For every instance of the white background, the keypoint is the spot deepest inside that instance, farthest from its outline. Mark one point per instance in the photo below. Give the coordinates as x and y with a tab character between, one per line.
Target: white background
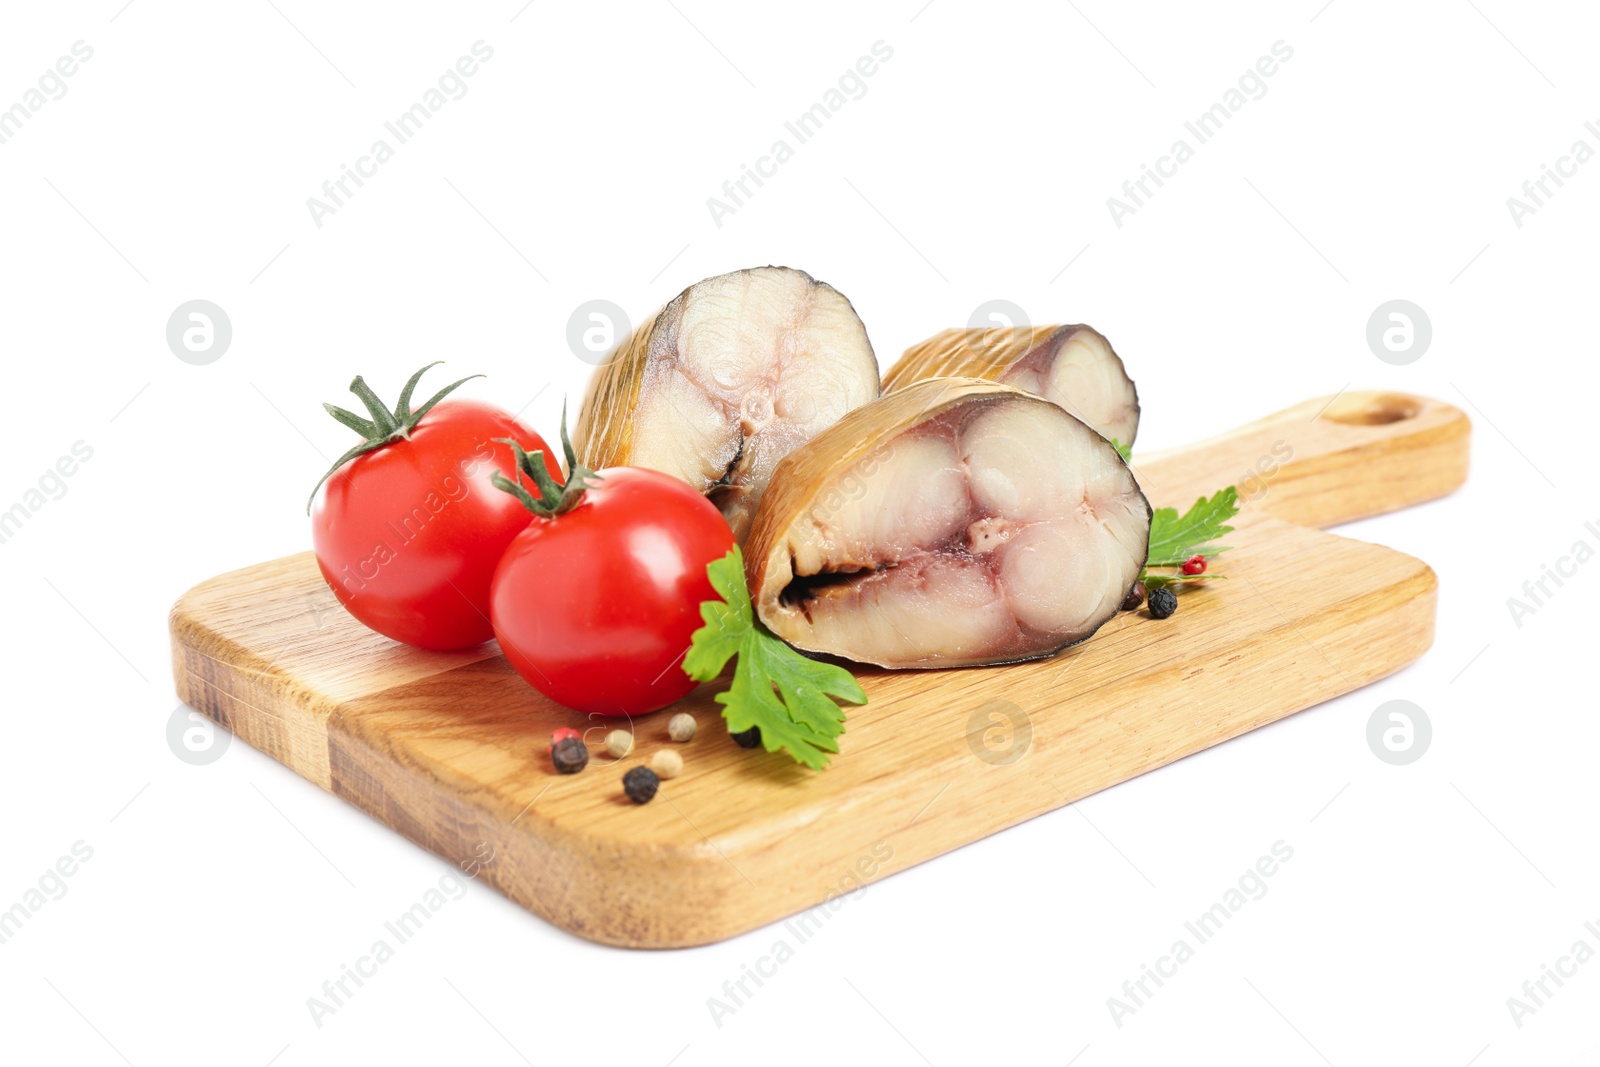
976	166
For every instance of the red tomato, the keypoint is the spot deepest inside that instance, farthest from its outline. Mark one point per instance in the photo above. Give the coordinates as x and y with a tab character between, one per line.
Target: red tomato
595	606
408	535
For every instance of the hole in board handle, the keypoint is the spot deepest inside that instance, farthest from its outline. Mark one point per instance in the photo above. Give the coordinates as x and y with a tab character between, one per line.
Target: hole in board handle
1376	411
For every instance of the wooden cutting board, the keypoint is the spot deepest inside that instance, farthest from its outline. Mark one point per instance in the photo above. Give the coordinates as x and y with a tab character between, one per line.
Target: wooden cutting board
448	749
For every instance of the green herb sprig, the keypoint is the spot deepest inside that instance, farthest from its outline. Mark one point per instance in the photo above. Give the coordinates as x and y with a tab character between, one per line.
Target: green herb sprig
789	697
1175	539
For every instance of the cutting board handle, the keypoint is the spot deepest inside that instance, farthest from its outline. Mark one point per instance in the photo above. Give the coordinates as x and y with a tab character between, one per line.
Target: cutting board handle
1327	461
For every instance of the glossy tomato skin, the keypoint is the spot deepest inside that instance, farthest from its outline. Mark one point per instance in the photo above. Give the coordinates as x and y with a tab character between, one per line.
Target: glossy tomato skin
595	607
408	535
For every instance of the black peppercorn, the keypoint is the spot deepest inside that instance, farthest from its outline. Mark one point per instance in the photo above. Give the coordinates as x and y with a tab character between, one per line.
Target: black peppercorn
1134	598
640	784
1163	602
570	755
748	738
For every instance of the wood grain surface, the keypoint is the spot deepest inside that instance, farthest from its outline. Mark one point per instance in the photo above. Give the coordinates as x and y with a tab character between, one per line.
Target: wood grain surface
448	748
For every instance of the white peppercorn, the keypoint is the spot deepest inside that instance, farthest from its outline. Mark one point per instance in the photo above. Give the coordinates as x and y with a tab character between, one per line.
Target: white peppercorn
666	763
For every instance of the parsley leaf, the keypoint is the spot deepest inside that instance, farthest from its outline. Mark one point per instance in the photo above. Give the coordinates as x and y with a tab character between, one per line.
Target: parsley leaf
1125	451
1174	539
774	687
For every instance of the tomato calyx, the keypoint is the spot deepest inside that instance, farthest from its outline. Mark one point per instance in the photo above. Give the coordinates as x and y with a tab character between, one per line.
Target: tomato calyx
384	426
555	498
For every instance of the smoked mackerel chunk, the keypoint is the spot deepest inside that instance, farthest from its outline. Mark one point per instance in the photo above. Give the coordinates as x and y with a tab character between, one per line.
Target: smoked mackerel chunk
1073	366
726	380
953	522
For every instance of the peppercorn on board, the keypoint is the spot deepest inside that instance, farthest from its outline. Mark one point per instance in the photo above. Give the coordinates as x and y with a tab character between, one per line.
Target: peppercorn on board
448	748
